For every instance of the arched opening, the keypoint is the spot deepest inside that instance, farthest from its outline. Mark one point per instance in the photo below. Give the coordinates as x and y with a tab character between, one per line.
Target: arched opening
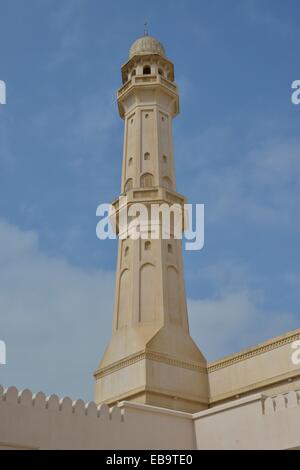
167	182
128	185
147	297
173	289
133	73
147	70
146	180
124	309
161	72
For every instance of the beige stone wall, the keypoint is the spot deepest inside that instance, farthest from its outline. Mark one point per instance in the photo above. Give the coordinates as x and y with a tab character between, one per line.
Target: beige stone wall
35	422
256	422
266	368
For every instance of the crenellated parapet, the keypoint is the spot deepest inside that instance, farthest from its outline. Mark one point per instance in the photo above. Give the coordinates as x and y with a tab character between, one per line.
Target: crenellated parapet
34	421
64	405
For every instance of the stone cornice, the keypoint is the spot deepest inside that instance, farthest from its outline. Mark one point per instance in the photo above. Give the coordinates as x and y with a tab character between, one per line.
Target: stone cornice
154	409
151	356
255	351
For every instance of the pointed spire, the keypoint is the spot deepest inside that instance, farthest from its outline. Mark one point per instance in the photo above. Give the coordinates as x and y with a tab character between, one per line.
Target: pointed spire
146	29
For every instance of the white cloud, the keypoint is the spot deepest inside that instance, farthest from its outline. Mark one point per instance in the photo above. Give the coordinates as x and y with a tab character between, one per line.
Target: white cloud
54	317
259	186
233	322
235	316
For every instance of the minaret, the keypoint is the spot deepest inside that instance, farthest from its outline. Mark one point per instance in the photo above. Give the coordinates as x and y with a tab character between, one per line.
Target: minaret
151	357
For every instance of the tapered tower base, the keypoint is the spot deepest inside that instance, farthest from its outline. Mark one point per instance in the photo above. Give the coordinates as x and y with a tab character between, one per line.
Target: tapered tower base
154	376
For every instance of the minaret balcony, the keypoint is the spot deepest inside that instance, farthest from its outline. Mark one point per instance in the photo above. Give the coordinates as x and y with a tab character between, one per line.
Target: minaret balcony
139	82
156	195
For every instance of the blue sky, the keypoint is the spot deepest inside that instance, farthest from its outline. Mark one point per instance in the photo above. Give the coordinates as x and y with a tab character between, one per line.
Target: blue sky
237	150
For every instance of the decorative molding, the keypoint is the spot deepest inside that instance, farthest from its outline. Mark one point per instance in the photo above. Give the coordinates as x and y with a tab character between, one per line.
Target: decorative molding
160	357
255	351
115	366
151	356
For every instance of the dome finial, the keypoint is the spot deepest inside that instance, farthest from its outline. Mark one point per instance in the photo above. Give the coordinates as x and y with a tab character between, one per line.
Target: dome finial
146	33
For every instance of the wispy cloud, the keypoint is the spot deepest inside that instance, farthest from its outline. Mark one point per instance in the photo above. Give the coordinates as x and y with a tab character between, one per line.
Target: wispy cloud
260	186
55	317
235	316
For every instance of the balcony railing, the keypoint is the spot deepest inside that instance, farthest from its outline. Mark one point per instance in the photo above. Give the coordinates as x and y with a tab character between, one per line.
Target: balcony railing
147	79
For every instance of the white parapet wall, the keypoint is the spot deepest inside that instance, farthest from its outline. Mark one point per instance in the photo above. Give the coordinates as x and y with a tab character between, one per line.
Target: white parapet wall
254	422
34	421
266	368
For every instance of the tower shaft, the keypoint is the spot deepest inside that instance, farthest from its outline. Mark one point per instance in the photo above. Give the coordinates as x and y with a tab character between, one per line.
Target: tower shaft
151	357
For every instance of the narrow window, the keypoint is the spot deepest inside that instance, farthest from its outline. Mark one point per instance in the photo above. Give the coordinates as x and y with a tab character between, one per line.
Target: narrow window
167	183
128	185
146	180
147	70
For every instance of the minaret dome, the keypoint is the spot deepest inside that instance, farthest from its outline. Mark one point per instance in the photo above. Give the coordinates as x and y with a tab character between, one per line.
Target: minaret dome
146	45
